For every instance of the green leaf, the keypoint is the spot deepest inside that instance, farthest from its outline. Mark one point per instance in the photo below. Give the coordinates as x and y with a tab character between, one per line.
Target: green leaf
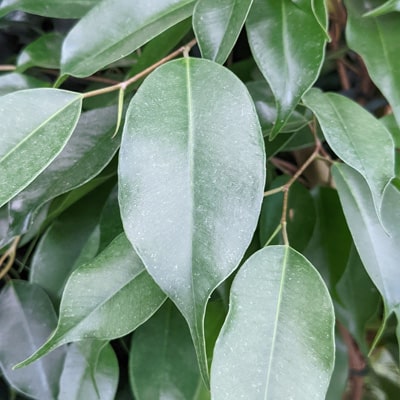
84	53
380	51
385	8
43	52
162	361
89	150
301	215
329	247
13	82
277	341
378	249
29	144
359	300
27	317
63	242
276	31
53	8
217	25
90	372
191	181
95	295
357	137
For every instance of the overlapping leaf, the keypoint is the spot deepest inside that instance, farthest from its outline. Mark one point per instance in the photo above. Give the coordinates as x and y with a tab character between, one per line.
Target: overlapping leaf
277	341
55	9
90	149
217	25
35	126
27	317
287	42
90	371
162	360
14	81
98	292
125	26
357	137
191	181
389	6
378	249
380	51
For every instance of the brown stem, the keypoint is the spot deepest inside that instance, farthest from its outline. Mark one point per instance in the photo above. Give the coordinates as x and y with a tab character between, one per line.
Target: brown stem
6	68
9	255
140	75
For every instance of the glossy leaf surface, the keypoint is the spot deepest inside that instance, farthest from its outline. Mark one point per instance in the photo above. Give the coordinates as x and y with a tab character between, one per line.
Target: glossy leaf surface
43	52
29	144
55	9
162	360
217	25
87	49
90	149
97	292
357	137
288	43
277	341
378	249
27	317
90	372
380	52
188	206
387	7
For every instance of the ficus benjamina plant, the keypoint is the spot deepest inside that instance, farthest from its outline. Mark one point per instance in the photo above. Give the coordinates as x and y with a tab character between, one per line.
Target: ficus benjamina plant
200	199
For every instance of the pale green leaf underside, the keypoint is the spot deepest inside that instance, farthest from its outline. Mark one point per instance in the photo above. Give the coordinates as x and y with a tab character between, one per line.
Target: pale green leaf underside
378	247
217	25
277	341
98	292
125	26
288	45
357	137
189	206
35	126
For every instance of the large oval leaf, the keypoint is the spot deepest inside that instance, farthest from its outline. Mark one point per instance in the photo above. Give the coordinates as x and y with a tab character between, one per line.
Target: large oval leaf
90	372
125	26
357	137
379	250
217	25
380	52
47	8
288	44
162	361
191	172
97	292
35	126
89	150
278	339
27	317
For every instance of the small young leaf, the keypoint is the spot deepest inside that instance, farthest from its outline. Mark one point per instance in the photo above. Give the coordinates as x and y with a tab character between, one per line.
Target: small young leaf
217	25
95	295
132	23
276	31
191	175
357	137
49	8
277	341
379	250
27	318
36	124
162	361
90	371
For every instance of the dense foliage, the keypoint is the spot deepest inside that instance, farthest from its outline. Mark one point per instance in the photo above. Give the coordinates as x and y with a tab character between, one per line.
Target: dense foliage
199	199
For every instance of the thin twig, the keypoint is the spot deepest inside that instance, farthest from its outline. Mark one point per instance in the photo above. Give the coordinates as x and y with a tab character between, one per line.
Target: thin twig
9	255
7	68
123	85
